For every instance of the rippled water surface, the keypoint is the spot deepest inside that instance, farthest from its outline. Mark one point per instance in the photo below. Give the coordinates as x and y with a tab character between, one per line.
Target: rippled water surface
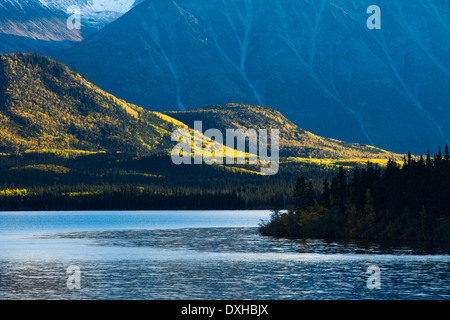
202	255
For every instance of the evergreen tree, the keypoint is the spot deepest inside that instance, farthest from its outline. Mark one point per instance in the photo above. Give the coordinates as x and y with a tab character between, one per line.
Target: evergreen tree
326	194
340	190
438	156
428	159
310	194
300	196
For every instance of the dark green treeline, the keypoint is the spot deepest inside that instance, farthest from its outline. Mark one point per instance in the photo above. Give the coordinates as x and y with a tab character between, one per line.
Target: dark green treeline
37	181
408	201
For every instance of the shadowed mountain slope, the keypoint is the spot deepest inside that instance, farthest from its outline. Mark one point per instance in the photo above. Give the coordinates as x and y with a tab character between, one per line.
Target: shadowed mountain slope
314	60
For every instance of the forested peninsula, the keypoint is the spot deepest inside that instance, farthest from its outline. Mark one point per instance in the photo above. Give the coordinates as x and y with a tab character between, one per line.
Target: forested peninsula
408	201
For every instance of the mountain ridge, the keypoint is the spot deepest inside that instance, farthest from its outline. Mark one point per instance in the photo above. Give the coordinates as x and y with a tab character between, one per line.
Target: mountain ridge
315	61
294	141
45	105
66	144
41	25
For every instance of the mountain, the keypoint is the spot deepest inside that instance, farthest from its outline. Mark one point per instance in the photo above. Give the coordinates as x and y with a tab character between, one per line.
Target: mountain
294	141
44	105
41	25
315	61
65	144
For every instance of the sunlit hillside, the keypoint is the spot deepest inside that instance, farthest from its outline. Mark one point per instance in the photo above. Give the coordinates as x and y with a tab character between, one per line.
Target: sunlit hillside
49	114
294	141
44	105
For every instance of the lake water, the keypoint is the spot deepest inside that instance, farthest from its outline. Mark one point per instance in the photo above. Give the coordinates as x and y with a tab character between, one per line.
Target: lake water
203	255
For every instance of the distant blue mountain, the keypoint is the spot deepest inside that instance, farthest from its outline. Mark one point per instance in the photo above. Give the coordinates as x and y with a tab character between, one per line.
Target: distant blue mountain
41	25
316	61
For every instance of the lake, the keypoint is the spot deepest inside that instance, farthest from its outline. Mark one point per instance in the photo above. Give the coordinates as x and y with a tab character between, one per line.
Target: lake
209	255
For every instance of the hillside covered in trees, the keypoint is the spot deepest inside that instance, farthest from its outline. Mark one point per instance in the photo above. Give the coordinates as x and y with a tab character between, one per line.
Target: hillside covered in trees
294	141
408	201
44	105
67	144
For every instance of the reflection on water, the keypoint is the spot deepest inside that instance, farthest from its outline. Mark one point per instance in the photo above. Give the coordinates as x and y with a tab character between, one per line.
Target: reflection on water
211	262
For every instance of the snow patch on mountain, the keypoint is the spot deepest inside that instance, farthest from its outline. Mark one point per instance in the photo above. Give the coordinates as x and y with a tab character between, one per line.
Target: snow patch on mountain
41	25
121	6
88	8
